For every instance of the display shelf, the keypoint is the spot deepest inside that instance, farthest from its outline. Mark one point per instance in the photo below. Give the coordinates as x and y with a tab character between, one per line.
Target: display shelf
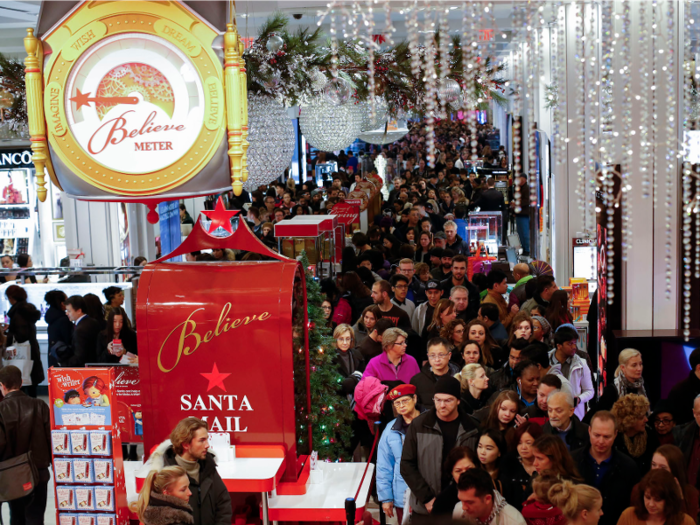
484	228
86	447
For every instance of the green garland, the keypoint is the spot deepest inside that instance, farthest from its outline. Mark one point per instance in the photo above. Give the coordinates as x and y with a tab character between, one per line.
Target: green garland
330	414
12	81
295	74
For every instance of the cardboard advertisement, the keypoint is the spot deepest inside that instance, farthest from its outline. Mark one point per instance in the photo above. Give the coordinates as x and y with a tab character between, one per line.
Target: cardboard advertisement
81	397
127	395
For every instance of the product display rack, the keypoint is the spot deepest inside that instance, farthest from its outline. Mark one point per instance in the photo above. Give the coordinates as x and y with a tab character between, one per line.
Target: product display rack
86	448
16	221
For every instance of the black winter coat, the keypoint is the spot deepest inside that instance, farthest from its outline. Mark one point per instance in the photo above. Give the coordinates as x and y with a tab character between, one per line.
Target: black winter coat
470	404
685	436
576	438
502	379
60	328
23	317
83	344
516	482
644	461
616	486
682	396
210	500
425	380
25	425
421	460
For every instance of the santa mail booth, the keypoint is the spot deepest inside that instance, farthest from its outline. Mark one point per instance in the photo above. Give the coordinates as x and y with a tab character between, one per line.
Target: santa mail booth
219	345
315	234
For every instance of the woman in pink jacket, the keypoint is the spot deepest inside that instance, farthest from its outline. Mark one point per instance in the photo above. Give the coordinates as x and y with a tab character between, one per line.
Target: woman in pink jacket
392	364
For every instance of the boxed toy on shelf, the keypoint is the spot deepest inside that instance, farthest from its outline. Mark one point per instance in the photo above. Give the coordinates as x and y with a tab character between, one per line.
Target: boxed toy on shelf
86	444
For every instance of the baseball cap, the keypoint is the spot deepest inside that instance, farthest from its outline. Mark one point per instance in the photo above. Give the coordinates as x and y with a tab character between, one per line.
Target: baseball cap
433	284
440	235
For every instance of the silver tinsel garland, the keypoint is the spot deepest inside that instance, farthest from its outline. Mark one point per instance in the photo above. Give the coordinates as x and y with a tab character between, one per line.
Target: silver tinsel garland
271	138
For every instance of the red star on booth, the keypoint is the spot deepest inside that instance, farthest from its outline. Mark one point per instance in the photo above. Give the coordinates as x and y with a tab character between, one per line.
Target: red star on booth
220	217
215	378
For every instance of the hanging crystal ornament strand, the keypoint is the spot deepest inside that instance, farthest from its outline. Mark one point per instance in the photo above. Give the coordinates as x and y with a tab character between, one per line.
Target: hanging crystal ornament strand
592	153
389	28
517	107
471	87
655	42
643	96
606	134
687	172
531	74
444	35
414	41
560	23
627	152
334	46
579	125
368	19
430	94
671	137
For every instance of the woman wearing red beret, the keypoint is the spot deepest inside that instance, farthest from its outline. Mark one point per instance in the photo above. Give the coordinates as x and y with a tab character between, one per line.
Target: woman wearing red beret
391	488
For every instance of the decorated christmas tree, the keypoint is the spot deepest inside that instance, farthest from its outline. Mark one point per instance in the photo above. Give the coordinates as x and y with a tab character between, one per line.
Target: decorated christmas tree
330	414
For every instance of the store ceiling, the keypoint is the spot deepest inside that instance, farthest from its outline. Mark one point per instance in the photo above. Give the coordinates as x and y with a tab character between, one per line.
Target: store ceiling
16	16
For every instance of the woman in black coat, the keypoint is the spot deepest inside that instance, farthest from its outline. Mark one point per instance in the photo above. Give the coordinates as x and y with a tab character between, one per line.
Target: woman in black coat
116	329
60	328
23	317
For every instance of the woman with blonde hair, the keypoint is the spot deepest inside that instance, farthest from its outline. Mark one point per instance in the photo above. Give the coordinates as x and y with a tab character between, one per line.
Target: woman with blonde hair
634	437
628	379
164	498
475	387
581	504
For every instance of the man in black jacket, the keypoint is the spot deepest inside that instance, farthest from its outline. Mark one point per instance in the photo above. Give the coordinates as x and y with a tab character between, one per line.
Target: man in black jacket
84	344
563	423
491	199
438	365
504	378
687	437
682	394
25	427
189	449
430	437
610	471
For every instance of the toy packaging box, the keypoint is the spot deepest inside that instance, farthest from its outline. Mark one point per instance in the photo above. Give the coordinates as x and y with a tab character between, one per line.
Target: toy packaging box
67	519
80	443
103	470
104	498
60	440
82	471
63	470
106	519
84	498
65	499
100	443
81	398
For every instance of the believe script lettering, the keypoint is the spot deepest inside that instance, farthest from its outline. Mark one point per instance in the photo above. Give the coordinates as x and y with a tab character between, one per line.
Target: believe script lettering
114	131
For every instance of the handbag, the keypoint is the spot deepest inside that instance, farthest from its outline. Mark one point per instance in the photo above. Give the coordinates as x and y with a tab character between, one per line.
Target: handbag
18	477
59	352
20	355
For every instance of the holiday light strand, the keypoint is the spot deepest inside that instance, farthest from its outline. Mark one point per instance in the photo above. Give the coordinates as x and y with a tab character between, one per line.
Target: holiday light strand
606	128
687	210
643	96
625	186
517	160
531	74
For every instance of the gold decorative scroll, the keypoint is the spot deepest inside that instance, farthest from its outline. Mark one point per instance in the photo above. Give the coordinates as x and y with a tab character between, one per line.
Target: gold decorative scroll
234	101
35	110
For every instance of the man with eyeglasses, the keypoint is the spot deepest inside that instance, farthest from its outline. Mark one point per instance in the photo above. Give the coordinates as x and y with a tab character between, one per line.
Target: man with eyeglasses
438	365
399	285
429	440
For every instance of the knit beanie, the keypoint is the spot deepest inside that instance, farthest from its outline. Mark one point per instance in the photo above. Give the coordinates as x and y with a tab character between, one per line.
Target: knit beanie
546	327
448	385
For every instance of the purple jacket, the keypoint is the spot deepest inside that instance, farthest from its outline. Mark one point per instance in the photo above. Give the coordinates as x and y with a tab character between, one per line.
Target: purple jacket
381	368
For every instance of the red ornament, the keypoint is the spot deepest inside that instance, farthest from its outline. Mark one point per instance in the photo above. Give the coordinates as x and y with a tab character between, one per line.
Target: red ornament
220	216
